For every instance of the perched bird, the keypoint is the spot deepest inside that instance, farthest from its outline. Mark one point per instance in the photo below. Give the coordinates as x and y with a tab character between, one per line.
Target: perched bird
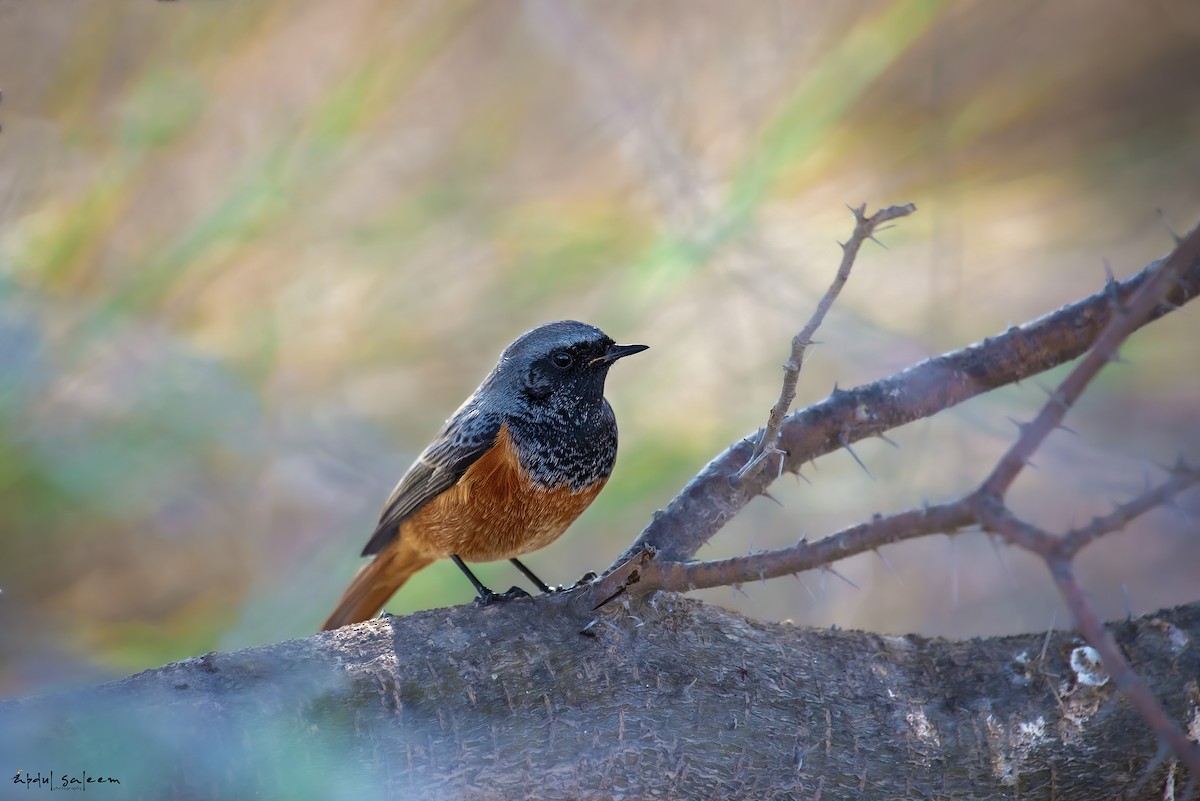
516	464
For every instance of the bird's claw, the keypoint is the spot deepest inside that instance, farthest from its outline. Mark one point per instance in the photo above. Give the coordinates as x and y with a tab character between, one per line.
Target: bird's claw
500	597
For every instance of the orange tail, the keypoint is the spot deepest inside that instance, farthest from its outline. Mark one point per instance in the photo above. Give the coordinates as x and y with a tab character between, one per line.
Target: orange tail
375	583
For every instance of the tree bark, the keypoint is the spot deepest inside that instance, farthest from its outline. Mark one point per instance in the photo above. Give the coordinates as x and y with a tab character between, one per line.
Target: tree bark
670	698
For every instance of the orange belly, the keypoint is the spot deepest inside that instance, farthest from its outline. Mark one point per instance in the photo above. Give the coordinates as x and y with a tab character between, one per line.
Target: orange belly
495	511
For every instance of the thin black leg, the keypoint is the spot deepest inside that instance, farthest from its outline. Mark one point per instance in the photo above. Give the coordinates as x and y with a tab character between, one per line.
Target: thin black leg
486	596
537	582
475	582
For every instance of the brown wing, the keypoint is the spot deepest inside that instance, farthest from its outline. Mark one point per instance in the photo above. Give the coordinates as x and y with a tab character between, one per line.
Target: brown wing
467	436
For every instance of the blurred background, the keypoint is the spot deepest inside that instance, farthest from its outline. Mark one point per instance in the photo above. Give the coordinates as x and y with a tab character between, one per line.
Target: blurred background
253	253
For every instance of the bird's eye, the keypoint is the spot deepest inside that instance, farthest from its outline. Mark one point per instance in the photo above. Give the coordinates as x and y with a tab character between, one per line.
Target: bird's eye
562	360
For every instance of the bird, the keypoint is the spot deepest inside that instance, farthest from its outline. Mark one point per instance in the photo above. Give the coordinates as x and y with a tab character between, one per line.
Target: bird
511	469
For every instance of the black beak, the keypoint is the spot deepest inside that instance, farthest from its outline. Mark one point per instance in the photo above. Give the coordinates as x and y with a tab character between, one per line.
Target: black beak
620	352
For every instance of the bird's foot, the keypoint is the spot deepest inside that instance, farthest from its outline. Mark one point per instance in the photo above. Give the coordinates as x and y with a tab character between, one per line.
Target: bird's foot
587	579
486	597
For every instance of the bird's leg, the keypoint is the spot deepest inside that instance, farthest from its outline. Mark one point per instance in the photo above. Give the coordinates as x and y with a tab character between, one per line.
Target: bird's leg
529	574
486	596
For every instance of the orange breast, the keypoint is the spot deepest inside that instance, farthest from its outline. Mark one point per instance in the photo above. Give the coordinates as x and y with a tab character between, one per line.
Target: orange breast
494	511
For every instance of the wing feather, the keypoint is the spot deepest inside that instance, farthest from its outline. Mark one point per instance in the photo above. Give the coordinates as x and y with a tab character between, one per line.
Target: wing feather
468	435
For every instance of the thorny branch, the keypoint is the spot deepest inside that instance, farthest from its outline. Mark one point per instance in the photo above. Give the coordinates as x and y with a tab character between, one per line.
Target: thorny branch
1159	288
1127	318
710	499
864	229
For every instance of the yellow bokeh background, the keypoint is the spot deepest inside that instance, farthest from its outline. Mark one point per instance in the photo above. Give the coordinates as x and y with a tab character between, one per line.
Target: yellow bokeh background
253	253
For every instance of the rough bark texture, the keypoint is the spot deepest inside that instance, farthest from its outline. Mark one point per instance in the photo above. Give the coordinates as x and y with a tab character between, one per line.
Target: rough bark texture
670	699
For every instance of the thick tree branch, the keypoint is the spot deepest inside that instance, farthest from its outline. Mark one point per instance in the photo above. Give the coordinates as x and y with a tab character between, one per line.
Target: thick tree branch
673	699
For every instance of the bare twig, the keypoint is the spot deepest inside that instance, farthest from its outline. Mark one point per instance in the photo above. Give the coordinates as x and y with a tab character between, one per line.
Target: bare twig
1182	477
682	576
864	229
947	518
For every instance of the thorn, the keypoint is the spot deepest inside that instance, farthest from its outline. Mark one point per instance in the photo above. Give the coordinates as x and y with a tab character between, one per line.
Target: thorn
846	445
1128	599
1052	394
771	497
1166	468
801	477
877	242
1115	358
1008	575
748	467
890	567
888	440
807	589
1189	516
1049	631
1020	426
1110	290
1166	223
839	575
840	244
954	573
1068	429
